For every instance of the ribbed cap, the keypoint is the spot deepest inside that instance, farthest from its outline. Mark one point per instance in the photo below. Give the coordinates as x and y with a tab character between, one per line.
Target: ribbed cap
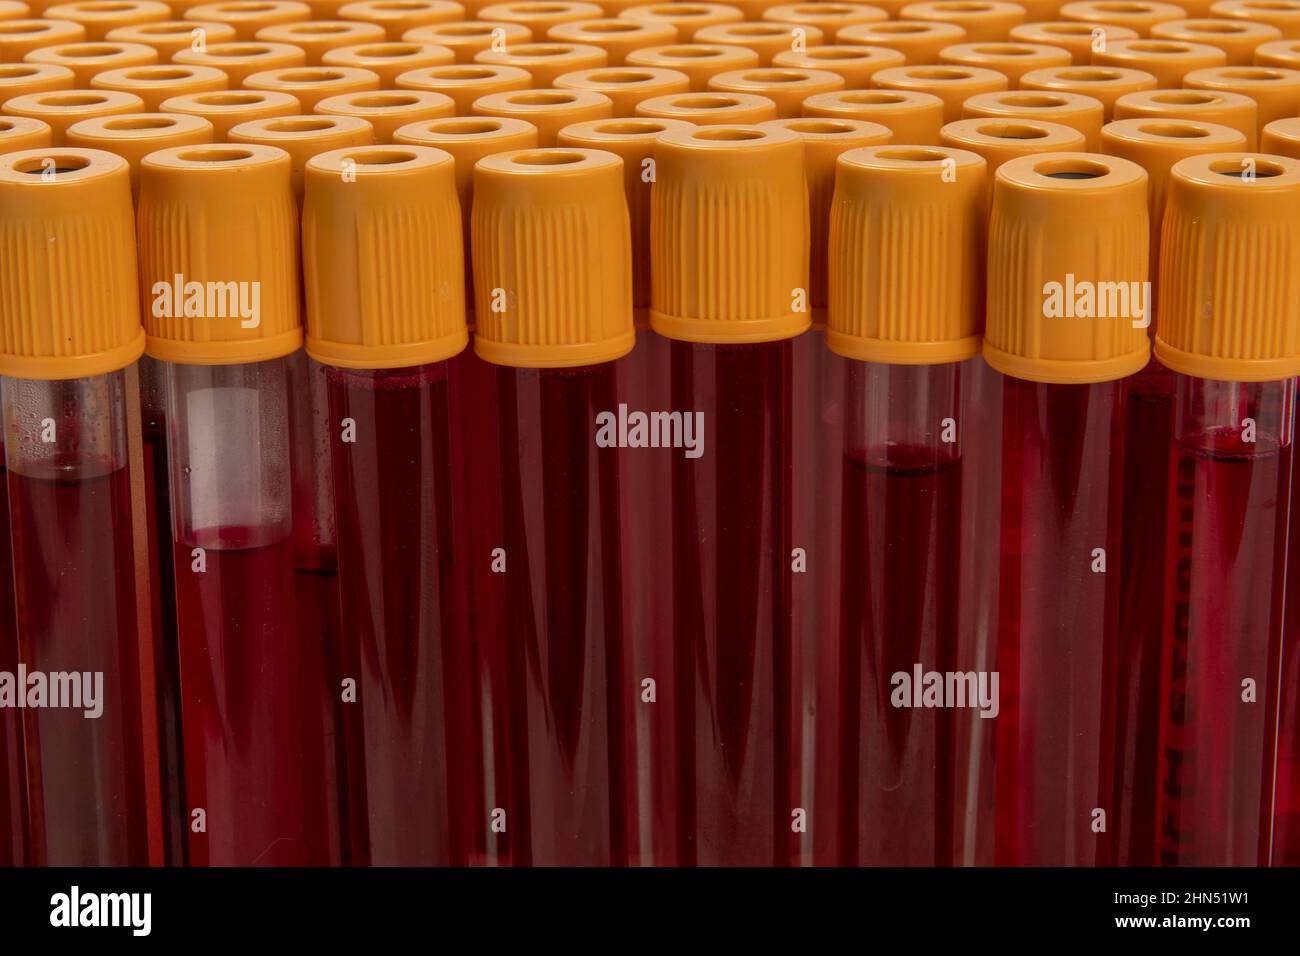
249	16
1238	39
134	135
1284	15
1075	110
228	109
626	86
311	84
397	18
390	60
546	61
469	37
985	21
1138	15
383	264
1230	268
87	59
23	132
241	59
552	258
68	306
538	15
1284	53
1001	139
1167	60
317	37
729	235
170	37
465	82
1201	106
550	110
688	18
99	18
709	108
1012	60
615	35
827	17
1105	83
61	108
1074	36
913	117
785	86
302	137
159	82
20	37
918	40
633	140
1275	89
855	64
217	215
1282	137
766	38
387	110
952	84
907	255
20	79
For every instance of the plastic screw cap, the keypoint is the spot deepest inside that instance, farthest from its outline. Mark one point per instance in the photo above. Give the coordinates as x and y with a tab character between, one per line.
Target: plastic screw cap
1225	314
1281	137
1080	112
546	61
1138	15
20	37
699	61
906	250
387	110
1000	140
626	86
1012	60
855	64
465	83
134	135
710	109
159	82
1284	53
395	17
85	60
1105	83
1275	89
101	16
227	109
389	60
61	108
687	18
767	38
952	84
302	137
1238	39
20	79
918	40
68	301
913	117
170	37
1201	106
617	36
984	21
786	87
241	59
249	16
24	132
311	84
549	110
539	15
470	37
317	37
1167	60
1283	14
1075	36
729	235
827	17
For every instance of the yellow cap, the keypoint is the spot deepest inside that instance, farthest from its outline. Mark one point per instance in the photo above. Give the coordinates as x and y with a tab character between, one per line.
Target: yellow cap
133	135
824	141
383	265
827	17
912	117
232	107
632	140
249	16
615	8
548	110
209	216
99	17
546	61
320	9
1202	106
786	87
1285	53
20	79
13	10
1230	268
1105	83
1167	60
918	40
61	108
1138	15
317	37
699	61
1000	139
386	110
688	18
24	132
468	38
1041	11
1074	36
468	139
1012	60
1068	234
387	60
753	9
626	86
855	64
766	38
1283	14
710	109
907	255
1238	39
465	82
985	21
1083	113
1281	137
68	306
398	16
311	84
952	84
159	82
170	37
563	297
87	59
20	37
538	15
302	137
241	59
1275	89
617	36
729	235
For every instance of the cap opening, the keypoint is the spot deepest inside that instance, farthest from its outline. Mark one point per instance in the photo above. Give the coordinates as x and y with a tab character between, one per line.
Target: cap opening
839	53
543	157
704	101
158	73
1036	101
17	70
820	127
310	76
872	98
39	165
939	73
912	154
612	26
88	51
466	73
692	52
1184	98
215	154
1090	74
229	99
1158	46
540	98
239	49
319	29
775	76
1002	49
727	134
387	50
303	125
902	28
466	29
540	49
1251	73
620	76
384	100
630	127
1174	130
1106	6
1021	131
394	156
131	123
73	100
464	127
1215	26
1072	168
756	29
1238	169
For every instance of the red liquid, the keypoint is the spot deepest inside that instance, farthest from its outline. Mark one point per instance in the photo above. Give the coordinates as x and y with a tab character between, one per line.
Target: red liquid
1057	623
1286	812
732	613
250	684
403	575
13	801
1223	590
562	649
75	597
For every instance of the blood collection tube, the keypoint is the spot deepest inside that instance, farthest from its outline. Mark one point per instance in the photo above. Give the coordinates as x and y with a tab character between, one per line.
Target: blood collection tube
908	343
1227	329
554	315
13	772
731	305
219	267
385	328
1063	227
70	327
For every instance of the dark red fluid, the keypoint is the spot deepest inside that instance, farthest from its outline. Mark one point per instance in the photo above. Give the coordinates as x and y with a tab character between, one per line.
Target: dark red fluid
403	575
1057	623
1286	806
732	614
250	686
75	598
13	778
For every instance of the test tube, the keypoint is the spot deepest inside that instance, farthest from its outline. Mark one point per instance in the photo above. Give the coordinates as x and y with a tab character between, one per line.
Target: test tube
731	306
1061	224
386	330
1226	327
909	344
219	271
70	328
13	773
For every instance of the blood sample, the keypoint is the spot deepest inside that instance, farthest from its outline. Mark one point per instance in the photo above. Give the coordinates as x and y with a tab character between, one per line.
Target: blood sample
385	330
252	679
907	347
65	365
731	306
13	774
1226	328
554	314
1061	224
